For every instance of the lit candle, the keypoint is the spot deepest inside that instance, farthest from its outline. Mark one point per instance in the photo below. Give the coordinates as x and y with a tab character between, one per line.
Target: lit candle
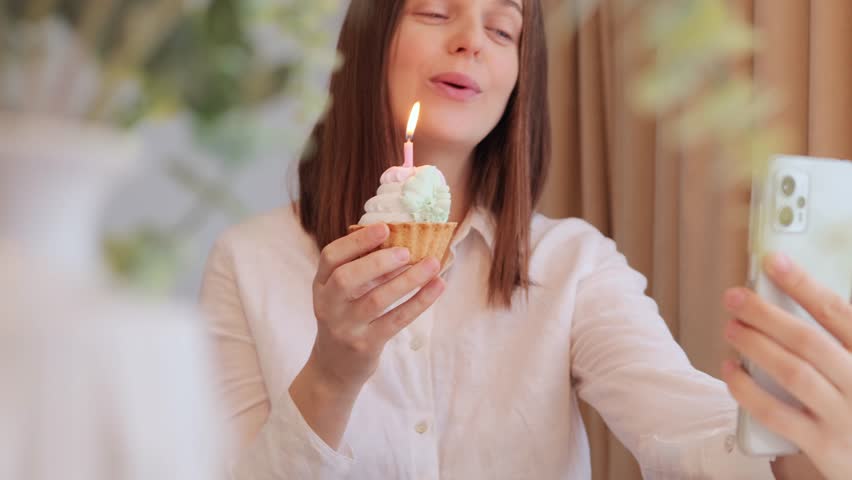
408	148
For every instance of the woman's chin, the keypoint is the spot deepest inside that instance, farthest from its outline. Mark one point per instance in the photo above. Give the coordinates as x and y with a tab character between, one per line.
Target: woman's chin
459	138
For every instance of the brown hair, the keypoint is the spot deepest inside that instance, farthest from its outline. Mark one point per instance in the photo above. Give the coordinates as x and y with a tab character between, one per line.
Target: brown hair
357	142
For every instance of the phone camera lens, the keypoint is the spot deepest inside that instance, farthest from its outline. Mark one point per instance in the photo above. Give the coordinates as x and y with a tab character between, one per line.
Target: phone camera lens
800	202
785	216
788	185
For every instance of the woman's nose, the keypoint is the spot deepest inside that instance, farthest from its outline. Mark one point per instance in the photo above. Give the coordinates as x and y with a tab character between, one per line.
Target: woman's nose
468	39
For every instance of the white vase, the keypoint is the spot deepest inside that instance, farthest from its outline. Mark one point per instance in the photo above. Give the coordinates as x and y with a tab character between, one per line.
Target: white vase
55	177
97	385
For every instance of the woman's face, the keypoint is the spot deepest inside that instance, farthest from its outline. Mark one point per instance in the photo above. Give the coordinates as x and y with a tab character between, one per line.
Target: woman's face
459	58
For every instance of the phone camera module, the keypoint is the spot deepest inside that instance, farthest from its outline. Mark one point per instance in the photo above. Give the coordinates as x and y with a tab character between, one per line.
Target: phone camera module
785	216
788	185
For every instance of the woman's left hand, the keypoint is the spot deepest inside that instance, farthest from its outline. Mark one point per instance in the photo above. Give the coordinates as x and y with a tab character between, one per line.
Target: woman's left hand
804	359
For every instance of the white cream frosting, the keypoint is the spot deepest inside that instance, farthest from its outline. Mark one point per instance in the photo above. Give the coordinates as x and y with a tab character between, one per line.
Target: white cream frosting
409	194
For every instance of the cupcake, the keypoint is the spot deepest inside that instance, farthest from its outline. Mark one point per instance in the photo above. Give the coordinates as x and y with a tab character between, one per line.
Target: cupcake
415	204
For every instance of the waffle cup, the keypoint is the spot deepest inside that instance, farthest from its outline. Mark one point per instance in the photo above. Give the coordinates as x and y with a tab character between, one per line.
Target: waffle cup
421	239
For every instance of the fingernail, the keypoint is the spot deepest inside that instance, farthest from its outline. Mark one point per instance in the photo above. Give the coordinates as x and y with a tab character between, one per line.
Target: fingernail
780	263
378	231
402	254
431	265
734	299
731	329
437	286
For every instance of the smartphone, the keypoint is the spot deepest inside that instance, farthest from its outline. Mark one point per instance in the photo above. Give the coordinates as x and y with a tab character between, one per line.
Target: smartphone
801	207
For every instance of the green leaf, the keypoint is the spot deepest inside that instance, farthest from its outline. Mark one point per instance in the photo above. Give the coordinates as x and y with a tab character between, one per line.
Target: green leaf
146	259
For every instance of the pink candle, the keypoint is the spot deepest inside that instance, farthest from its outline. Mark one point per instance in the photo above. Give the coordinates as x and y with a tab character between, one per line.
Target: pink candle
408	148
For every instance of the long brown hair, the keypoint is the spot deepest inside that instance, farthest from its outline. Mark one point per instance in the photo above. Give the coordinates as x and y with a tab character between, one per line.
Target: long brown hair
358	140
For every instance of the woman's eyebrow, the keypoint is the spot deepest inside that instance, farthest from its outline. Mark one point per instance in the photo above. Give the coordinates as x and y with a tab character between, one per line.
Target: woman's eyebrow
513	4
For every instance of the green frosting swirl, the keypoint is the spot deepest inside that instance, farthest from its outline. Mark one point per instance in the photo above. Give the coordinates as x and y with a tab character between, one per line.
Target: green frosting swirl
426	196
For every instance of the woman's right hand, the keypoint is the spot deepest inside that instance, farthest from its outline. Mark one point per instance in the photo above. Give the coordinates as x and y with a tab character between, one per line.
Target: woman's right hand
352	291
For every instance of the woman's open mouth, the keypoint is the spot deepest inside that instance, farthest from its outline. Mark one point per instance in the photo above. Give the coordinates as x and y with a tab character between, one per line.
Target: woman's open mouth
456	86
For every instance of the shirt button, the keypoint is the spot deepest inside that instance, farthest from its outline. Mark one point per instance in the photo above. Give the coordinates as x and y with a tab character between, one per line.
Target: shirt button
417	343
421	427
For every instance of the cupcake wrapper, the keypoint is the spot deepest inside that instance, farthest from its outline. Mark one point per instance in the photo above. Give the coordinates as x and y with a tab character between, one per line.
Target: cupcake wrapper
421	239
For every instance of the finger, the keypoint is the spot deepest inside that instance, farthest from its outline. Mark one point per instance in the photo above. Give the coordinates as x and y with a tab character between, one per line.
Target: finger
391	323
353	279
828	308
382	297
788	370
791	423
803	339
348	248
369	286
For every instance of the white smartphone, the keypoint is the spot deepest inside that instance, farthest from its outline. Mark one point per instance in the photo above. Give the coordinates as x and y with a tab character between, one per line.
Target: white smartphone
802	207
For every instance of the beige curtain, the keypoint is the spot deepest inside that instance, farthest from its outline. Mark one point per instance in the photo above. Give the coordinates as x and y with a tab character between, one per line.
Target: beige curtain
667	210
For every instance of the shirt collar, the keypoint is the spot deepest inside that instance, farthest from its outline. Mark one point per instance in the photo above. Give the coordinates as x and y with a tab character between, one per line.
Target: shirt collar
479	220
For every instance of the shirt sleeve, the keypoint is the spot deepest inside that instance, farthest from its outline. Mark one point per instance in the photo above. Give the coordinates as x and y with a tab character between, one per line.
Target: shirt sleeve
677	421
273	439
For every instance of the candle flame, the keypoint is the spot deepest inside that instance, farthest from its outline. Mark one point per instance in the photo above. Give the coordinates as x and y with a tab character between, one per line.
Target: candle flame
412	121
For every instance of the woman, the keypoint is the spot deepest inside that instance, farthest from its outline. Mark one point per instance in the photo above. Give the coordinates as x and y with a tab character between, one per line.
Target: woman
331	371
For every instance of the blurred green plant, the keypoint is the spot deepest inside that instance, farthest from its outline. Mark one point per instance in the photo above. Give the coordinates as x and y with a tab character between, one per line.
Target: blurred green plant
127	63
699	83
694	78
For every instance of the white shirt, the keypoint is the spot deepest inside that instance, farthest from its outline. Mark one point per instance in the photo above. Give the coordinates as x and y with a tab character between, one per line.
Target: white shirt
466	392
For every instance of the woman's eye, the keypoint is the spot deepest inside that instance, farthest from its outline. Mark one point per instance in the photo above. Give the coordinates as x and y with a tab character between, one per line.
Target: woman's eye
502	33
433	15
